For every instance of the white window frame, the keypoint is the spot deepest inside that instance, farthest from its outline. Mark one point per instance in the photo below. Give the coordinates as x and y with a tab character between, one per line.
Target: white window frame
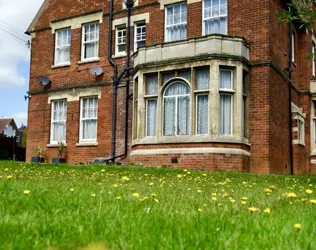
176	108
229	92
81	140
209	18
83	42
208	113
57	34
138	25
117	30
52	121
173	25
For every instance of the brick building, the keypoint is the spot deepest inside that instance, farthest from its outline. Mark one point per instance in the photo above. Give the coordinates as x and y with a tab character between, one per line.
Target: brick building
210	85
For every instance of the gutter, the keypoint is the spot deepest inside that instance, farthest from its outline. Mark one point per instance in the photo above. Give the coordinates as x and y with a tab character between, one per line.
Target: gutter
290	101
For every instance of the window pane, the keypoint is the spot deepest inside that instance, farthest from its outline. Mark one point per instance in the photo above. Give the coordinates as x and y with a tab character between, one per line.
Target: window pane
202	78
89	130
152	84
183	116
59	117
169	116
59	132
91	50
226	114
185	74
167	76
202	114
177	88
151	117
176	28
226	79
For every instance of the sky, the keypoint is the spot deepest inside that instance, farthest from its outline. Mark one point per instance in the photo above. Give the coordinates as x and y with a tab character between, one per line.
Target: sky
15	17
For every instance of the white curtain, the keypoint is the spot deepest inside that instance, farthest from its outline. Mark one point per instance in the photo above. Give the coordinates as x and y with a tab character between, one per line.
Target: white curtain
63	46
202	114
59	121
62	55
91	50
185	74
202	78
215	16
152	84
177	109
91	40
176	22
216	25
89	118
226	79
167	76
152	117
226	114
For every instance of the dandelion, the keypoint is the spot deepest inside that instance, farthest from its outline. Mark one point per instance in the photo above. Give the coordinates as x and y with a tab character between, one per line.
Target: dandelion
225	195
253	209
153	195
310	185
27	192
298	226
204	174
309	191
151	184
267	190
125	178
232	201
93	195
72	189
214	198
185	170
291	195
135	195
214	194
199	209
115	185
179	176
312	201
199	190
244	198
6	170
118	197
267	210
9	177
243	202
156	200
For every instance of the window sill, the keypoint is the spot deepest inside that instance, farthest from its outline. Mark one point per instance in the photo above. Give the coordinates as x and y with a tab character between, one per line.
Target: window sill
86	144
54	145
119	56
313	153
90	60
61	65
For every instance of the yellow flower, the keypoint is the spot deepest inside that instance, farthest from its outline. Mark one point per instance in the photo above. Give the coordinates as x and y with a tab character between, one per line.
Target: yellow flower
115	185
199	190
156	200
9	177
199	209
225	195
27	192
125	178
6	170
291	195
244	198
267	210
204	174
298	226
153	195
188	172
310	185
179	175
232	200
151	184
135	195
92	195
214	198
253	209
312	201
244	202
72	189
214	194
309	191
185	170
118	197
267	190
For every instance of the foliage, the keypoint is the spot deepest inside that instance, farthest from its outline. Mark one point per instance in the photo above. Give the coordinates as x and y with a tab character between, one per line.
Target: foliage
40	152
108	207
24	138
61	149
302	11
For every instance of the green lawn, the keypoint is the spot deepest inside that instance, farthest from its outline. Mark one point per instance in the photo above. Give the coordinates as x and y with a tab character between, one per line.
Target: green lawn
106	207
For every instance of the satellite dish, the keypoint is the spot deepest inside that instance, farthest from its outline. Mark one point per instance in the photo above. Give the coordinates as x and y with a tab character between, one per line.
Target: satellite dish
96	71
43	81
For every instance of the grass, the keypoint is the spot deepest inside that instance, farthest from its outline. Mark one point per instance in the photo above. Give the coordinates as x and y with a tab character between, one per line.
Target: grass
103	207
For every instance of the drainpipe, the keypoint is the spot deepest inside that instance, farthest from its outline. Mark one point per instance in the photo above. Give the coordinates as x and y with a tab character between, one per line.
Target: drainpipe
129	5
290	101
115	82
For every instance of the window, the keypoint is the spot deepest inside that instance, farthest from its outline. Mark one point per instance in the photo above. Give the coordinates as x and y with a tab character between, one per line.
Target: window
140	35
176	22
300	132
176	109
151	104
120	48
293	46
313	59
58	121
90	41
226	101
245	104
214	17
202	110
88	119
62	46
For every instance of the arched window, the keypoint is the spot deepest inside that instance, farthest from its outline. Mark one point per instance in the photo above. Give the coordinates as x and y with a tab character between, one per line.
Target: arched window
176	109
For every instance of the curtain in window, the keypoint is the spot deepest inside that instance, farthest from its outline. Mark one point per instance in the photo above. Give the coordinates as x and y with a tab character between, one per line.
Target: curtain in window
215	16
63	46
151	117
183	115
169	116
176	33
59	121
167	76
202	78
185	74
152	84
177	88
202	114
62	55
91	40
216	25
176	22
226	79
226	114
89	118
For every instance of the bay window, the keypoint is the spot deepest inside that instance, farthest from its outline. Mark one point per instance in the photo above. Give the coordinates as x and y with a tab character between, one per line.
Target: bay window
214	17
151	104
226	101
90	41
62	46
88	119
58	121
176	22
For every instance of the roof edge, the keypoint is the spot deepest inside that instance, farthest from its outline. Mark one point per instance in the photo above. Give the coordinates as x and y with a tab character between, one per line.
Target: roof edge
31	28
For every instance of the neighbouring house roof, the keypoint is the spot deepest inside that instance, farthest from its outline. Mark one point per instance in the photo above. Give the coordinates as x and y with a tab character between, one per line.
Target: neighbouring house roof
37	16
4	122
